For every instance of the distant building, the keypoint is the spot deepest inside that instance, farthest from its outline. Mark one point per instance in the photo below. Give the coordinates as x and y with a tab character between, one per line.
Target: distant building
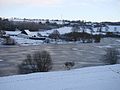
31	35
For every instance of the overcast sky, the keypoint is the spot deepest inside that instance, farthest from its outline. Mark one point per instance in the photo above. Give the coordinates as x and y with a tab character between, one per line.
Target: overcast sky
89	10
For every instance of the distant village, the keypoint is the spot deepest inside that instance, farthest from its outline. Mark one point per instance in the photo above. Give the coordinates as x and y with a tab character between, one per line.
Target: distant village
47	31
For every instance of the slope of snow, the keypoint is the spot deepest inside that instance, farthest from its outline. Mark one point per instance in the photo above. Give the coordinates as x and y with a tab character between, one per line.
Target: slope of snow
92	78
62	30
112	28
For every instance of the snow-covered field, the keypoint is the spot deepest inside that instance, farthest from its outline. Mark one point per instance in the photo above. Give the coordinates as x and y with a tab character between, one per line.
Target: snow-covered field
92	78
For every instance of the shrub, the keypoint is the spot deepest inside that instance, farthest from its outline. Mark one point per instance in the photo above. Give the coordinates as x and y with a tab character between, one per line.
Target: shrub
37	62
111	56
78	36
55	35
97	38
69	65
8	41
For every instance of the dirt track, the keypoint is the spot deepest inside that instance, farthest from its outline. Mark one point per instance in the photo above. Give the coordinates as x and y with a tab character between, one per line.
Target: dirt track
83	55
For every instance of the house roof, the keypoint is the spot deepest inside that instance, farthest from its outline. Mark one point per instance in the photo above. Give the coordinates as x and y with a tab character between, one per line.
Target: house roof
27	32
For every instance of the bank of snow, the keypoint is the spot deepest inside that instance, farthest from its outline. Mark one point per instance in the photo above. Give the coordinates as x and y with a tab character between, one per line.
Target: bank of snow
92	78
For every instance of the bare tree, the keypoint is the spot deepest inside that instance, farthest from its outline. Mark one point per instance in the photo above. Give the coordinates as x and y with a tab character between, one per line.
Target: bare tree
111	56
37	62
55	35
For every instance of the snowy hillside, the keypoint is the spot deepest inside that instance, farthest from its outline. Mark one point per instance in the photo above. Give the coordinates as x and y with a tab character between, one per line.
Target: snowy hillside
62	30
92	78
112	28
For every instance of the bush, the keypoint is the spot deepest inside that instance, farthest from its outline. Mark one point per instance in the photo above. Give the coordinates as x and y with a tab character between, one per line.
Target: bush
111	56
97	38
8	41
37	62
2	33
69	65
55	35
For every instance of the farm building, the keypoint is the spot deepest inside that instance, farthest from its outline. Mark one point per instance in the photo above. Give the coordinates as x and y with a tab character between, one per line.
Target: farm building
26	32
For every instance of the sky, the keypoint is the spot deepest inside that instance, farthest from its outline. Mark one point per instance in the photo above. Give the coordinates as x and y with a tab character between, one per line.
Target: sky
89	10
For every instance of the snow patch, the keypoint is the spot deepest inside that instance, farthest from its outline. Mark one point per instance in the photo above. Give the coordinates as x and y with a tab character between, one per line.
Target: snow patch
107	46
62	30
118	40
1	60
92	78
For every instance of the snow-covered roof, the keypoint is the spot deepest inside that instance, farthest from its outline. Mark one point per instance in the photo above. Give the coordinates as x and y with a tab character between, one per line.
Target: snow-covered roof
92	78
28	32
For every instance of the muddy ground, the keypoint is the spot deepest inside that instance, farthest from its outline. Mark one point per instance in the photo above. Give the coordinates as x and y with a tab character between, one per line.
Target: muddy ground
84	55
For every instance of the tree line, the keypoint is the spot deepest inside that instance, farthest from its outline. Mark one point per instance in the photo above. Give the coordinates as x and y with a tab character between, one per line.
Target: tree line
7	25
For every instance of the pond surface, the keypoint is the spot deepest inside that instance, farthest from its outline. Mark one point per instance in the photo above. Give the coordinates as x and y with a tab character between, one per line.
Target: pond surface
84	55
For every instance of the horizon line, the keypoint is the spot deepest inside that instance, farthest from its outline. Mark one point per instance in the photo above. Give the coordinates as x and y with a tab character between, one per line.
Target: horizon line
57	19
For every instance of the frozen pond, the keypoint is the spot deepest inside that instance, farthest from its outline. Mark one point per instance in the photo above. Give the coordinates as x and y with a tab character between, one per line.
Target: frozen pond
83	55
